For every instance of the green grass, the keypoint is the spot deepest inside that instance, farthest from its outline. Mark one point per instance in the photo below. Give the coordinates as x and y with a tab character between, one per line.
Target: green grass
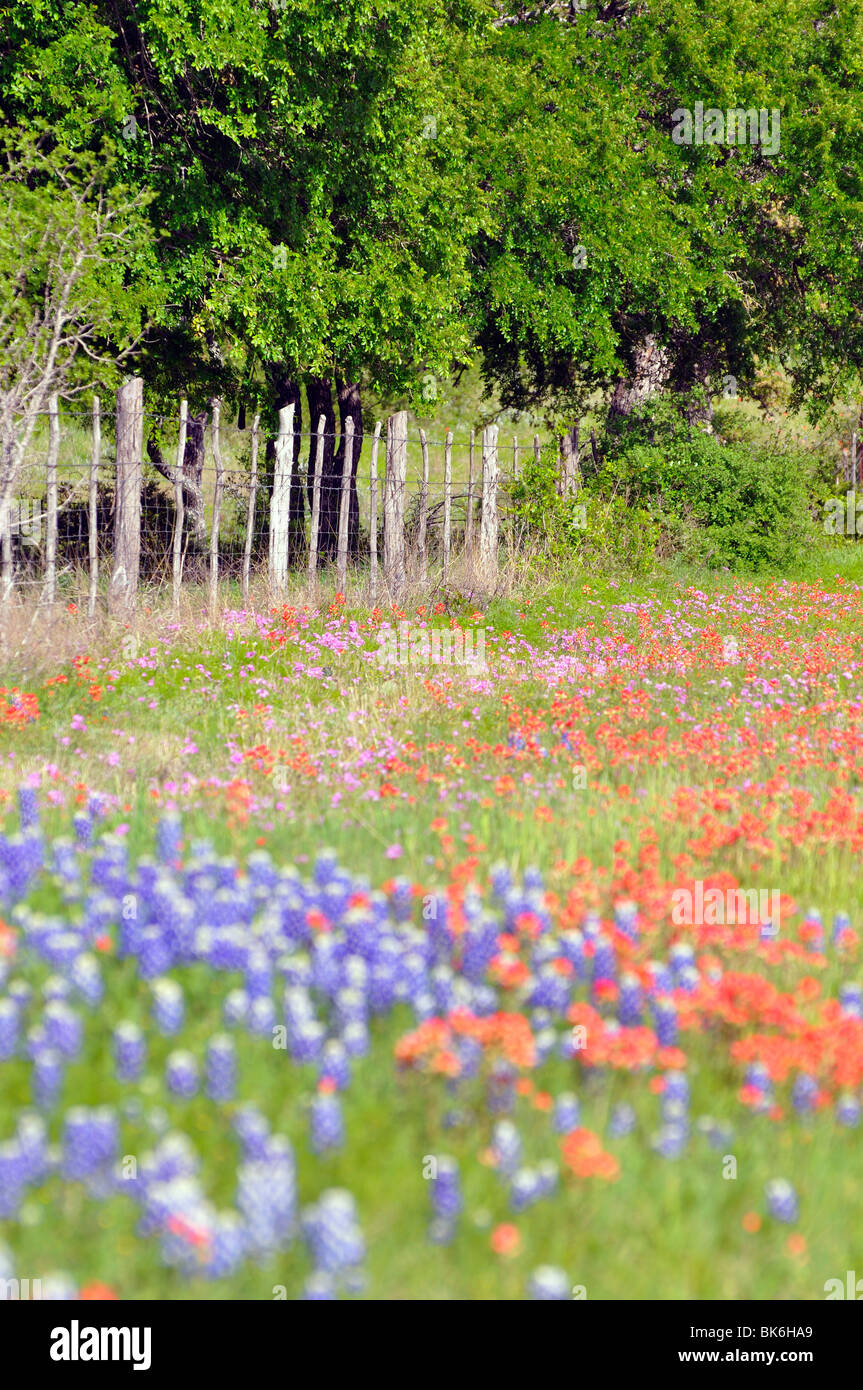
669	1229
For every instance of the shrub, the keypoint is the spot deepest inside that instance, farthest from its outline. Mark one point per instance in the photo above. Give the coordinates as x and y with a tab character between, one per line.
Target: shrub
595	528
732	505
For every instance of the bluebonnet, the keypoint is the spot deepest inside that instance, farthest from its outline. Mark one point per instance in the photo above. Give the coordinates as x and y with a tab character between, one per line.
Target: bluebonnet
130	1051
181	1074
507	1147
332	1232
782	1200
334	1064
64	1029
848	1110
630	1003
169	1008
28	807
548	1284
446	1197
221	1068
665	1021
10	1024
566	1115
622	1121
327	1123
47	1078
804	1093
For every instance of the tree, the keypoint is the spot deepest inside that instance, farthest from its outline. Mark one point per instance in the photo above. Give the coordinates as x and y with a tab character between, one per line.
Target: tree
309	184
621	259
74	252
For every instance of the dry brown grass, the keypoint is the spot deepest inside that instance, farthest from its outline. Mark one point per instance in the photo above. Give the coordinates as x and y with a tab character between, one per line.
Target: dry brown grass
37	639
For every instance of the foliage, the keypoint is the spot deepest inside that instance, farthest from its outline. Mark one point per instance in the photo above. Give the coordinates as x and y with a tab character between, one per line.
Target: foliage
593	527
738	505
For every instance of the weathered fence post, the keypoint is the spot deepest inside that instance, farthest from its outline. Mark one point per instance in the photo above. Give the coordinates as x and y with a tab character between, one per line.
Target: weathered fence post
344	508
6	549
570	475
515	458
468	524
250	517
179	508
93	508
447	503
422	523
280	510
216	407
395	484
537	449
488	539
316	502
50	590
129	435
373	515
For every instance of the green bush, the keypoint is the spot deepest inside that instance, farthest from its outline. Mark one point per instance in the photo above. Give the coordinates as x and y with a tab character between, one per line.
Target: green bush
597	529
734	505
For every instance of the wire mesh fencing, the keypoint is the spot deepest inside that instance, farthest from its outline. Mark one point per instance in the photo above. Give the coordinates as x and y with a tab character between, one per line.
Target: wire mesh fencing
124	498
110	501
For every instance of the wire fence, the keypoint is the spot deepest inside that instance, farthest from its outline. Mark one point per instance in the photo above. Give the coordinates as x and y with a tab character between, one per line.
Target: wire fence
129	496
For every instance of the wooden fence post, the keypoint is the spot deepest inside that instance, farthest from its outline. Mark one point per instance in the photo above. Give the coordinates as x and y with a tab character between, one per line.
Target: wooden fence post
515	458
6	549
216	407
129	435
468	525
179	508
316	501
93	508
537	449
344	508
395	484
250	516
570	474
373	515
280	510
50	590
422	523
447	503
488	540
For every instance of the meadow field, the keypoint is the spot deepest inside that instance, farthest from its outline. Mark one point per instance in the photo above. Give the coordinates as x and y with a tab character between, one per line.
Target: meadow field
282	919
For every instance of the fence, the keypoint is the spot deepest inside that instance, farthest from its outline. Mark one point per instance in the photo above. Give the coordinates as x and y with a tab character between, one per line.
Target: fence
386	510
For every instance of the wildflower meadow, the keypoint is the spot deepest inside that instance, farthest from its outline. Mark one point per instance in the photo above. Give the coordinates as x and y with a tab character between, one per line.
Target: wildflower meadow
323	977
431	676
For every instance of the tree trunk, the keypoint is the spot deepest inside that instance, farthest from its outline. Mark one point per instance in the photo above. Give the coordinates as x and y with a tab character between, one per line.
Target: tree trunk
350	407
321	403
693	368
320	393
650	373
193	467
683	366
